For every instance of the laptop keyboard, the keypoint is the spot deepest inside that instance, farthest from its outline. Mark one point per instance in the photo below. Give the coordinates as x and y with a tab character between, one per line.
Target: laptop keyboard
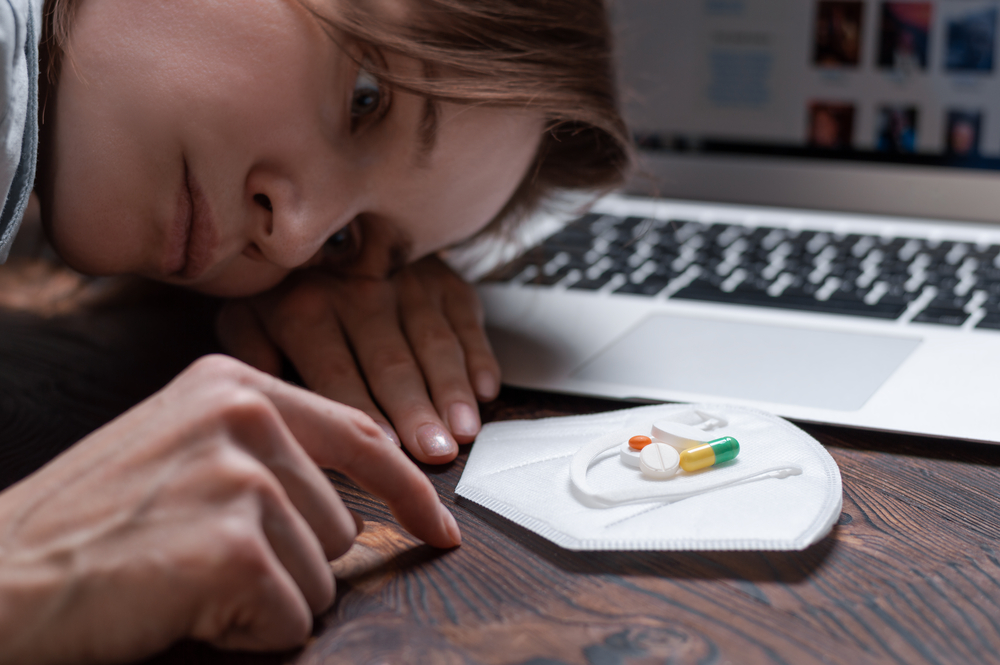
943	283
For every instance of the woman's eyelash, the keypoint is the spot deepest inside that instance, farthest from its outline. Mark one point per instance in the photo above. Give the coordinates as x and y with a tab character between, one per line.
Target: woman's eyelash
341	238
343	246
368	97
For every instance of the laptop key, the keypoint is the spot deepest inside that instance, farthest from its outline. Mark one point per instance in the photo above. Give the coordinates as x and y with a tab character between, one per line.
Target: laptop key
942	316
591	284
650	287
544	279
990	322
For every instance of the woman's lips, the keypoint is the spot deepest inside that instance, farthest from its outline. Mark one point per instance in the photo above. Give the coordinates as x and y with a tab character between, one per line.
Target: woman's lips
194	238
179	231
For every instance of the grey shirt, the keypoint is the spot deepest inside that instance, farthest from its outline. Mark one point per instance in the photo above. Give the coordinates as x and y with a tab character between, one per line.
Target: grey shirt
20	32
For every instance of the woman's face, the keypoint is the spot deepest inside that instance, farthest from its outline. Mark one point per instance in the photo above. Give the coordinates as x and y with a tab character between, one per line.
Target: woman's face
220	145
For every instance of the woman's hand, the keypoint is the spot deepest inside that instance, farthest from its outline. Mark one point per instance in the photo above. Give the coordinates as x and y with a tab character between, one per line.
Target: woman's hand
196	514
411	347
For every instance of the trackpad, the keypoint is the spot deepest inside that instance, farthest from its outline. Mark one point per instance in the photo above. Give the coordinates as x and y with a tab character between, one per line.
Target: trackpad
825	369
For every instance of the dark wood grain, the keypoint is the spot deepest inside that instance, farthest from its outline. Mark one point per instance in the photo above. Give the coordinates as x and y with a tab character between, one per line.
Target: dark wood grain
911	573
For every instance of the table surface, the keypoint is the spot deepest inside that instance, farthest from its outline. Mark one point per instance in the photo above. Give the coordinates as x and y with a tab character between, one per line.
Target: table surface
910	573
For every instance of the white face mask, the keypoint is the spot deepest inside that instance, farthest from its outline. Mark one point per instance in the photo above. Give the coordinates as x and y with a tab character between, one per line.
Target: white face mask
565	479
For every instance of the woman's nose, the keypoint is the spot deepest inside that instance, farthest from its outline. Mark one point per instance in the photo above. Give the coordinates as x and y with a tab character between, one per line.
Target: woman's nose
289	220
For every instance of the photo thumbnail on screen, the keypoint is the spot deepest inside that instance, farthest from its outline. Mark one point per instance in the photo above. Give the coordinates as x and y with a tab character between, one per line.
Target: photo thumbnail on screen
970	41
962	132
831	125
896	129
904	36
837	33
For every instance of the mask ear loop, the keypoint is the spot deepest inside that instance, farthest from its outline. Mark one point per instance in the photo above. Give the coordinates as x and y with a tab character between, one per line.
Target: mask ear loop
584	457
710	421
699	419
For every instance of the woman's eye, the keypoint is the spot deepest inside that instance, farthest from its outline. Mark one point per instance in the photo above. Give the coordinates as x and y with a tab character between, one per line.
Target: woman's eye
342	247
340	239
367	96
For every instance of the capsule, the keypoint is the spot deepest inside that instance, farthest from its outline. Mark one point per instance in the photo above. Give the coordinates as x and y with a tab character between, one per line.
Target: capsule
710	454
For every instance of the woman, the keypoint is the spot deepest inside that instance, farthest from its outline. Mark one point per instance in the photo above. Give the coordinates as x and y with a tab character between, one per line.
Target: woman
224	147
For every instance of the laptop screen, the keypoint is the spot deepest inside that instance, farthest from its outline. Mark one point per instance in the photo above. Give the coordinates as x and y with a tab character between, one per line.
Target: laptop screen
910	82
848	82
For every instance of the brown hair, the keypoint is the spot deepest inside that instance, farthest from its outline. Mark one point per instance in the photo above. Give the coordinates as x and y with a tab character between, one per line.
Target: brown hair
553	56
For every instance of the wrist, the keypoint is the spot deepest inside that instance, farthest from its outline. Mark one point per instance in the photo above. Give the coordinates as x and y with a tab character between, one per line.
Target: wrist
32	593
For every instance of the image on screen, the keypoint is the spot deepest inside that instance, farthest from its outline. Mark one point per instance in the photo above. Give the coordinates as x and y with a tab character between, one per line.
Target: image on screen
882	82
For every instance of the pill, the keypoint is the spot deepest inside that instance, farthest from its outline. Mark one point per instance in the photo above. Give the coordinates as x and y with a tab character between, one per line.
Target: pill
658	461
629	455
639	441
710	454
679	435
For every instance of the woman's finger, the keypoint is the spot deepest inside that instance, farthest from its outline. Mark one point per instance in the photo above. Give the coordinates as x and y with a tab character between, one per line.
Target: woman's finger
345	439
304	323
439	353
258	605
369	313
254	496
233	394
464	312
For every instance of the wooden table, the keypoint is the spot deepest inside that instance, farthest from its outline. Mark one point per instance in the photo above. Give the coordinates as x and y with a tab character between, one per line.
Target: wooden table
911	573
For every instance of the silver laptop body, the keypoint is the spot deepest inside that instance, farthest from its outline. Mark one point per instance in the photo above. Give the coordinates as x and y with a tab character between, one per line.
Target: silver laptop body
823	243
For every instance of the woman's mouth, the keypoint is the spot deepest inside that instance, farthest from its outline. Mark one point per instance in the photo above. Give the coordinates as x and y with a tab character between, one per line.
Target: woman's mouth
193	238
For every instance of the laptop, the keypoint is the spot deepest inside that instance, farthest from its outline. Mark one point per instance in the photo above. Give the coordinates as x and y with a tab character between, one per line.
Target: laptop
815	231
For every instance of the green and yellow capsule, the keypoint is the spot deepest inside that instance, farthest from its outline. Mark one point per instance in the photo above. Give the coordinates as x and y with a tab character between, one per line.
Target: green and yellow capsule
710	454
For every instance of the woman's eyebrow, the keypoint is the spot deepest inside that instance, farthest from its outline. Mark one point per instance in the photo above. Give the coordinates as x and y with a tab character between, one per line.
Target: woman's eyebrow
427	131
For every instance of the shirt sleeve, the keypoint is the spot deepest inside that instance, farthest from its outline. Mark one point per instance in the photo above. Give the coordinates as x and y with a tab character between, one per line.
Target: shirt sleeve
20	32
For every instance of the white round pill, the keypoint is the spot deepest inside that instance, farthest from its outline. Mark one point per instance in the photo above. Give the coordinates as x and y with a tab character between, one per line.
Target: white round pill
659	461
679	435
629	455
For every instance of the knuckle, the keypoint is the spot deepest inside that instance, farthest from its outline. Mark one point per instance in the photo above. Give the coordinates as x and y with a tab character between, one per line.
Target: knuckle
469	328
366	438
308	300
216	367
298	629
466	308
257	483
334	369
366	429
369	293
434	336
243	405
391	360
243	548
242	477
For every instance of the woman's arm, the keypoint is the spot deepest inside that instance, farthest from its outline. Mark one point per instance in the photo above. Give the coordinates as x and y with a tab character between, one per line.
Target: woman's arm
196	514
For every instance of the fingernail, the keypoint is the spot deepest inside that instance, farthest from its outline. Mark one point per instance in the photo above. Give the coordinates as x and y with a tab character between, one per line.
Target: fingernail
463	420
390	434
451	526
435	442
486	385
